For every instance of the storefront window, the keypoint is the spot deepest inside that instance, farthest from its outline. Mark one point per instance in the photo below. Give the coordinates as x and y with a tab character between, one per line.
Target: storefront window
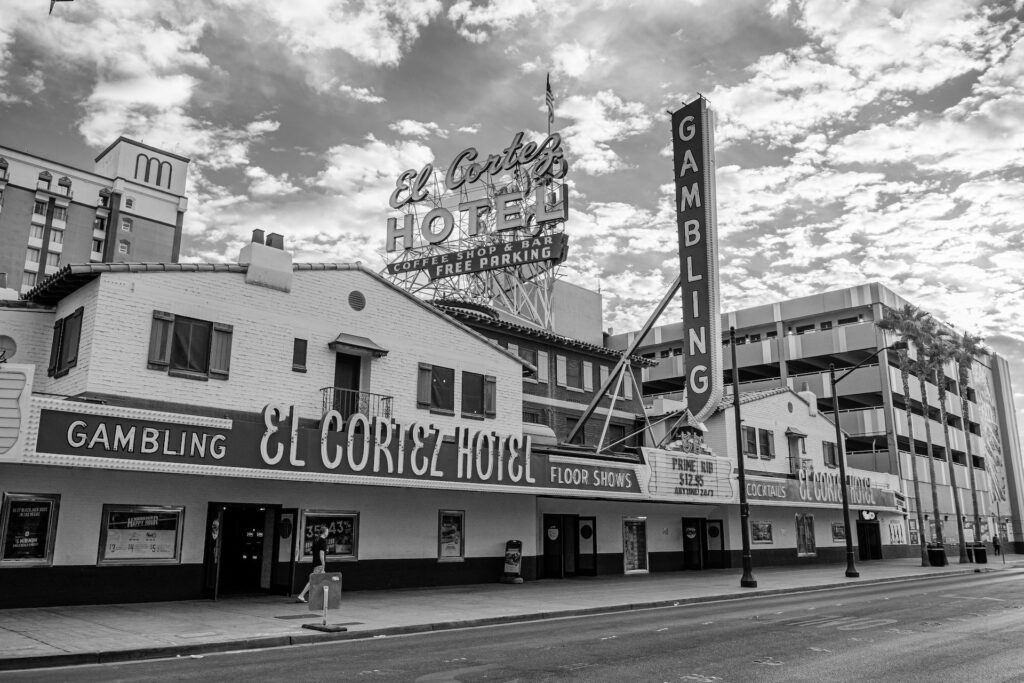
451	535
805	535
28	526
342	534
140	534
634	544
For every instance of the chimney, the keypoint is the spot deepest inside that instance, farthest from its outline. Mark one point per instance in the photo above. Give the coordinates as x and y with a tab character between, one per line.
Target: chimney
812	399
269	265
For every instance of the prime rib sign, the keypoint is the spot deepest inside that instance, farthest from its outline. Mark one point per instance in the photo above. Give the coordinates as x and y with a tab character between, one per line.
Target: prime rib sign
694	170
499	206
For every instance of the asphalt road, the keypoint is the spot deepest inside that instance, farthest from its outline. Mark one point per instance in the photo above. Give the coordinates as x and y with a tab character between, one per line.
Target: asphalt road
964	628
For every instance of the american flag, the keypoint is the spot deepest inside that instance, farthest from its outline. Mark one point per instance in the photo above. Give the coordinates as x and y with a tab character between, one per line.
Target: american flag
550	99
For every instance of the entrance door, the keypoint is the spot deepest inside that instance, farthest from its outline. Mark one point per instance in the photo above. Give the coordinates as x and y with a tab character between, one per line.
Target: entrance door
714	539
561	551
693	543
869	540
346	384
241	558
586	543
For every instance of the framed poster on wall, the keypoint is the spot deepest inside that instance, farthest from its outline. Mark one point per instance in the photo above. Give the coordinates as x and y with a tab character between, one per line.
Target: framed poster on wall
838	531
140	534
761	532
451	533
342	534
28	527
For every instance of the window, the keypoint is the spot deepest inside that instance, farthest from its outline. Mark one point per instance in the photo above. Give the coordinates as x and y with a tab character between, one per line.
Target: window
750	441
574	373
800	329
52	259
44	180
342	534
97	246
527	354
766	439
755	338
29	280
188	347
848	321
126	225
39	208
451	534
634	544
129	202
57	236
99	224
28	525
123	247
771	335
532	416
299	355
478	395
137	534
60	213
665	353
830	454
805	535
37	232
570	424
435	389
32	255
827	325
64	351
617	436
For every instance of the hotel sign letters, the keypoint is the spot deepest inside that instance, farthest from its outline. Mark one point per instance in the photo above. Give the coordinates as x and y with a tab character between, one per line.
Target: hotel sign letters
694	174
549	247
819	489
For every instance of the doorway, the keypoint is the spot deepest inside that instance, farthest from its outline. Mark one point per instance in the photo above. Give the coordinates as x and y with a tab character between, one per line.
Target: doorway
869	540
570	546
241	546
346	384
703	543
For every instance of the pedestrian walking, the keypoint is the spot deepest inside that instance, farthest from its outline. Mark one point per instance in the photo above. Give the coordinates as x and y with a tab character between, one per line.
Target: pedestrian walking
995	544
319	559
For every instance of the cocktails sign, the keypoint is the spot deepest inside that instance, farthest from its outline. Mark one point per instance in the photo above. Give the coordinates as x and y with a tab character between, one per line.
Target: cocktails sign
694	173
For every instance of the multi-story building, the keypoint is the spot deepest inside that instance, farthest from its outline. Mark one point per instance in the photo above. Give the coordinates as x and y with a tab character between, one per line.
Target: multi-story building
129	208
792	344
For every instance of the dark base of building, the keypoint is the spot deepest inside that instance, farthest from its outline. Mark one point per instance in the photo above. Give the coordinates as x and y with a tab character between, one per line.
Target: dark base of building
91	585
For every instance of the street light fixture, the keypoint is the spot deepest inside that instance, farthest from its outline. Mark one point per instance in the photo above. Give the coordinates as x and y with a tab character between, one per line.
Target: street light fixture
851	569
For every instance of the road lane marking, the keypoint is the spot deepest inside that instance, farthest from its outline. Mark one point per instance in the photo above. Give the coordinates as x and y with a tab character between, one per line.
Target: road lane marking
970	597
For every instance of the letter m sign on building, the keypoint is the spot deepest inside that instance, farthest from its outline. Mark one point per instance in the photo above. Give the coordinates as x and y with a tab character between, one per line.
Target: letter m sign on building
694	166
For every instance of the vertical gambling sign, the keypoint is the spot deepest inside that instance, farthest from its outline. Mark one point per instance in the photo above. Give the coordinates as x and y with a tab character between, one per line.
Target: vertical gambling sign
694	172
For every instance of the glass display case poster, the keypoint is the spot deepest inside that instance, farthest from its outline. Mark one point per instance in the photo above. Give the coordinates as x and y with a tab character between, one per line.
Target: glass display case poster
760	532
342	533
29	523
450	534
140	534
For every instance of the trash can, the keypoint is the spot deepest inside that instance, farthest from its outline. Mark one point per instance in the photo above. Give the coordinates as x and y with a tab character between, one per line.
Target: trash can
937	555
980	553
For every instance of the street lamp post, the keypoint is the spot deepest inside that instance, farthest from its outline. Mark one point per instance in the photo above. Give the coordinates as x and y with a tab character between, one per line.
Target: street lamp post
851	569
748	580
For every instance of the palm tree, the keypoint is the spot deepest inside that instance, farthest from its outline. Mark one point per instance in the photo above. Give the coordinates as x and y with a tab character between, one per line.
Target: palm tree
940	351
967	348
919	367
907	323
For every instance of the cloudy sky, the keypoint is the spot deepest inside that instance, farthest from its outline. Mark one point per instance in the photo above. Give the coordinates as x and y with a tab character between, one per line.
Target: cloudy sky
858	141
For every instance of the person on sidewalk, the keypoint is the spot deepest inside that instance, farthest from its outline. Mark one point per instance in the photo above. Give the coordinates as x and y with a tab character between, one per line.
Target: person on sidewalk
995	544
319	559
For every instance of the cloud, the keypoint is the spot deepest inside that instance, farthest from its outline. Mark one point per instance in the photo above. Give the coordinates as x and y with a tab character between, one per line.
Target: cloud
476	22
574	60
417	129
599	120
361	94
266	185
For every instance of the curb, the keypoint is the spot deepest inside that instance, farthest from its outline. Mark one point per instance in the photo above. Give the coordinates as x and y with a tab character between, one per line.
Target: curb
265	642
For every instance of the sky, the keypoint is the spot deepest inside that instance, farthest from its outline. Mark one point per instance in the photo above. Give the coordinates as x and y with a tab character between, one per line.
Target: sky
856	141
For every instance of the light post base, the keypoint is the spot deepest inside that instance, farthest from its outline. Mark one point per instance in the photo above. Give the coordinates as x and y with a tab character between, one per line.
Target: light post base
748	582
852	574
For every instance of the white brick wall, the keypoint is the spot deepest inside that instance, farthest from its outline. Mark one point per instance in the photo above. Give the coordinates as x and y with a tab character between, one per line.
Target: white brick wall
118	317
31	329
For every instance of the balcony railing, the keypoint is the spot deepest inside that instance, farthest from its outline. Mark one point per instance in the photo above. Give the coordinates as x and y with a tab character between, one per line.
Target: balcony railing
349	401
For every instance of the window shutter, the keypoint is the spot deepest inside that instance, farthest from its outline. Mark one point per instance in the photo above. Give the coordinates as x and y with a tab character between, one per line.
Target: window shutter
588	376
220	351
490	396
423	382
160	340
512	348
560	373
58	329
542	366
603	372
69	342
627	382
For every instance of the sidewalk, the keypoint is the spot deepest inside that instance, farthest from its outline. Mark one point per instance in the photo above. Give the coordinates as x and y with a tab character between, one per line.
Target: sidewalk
59	636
